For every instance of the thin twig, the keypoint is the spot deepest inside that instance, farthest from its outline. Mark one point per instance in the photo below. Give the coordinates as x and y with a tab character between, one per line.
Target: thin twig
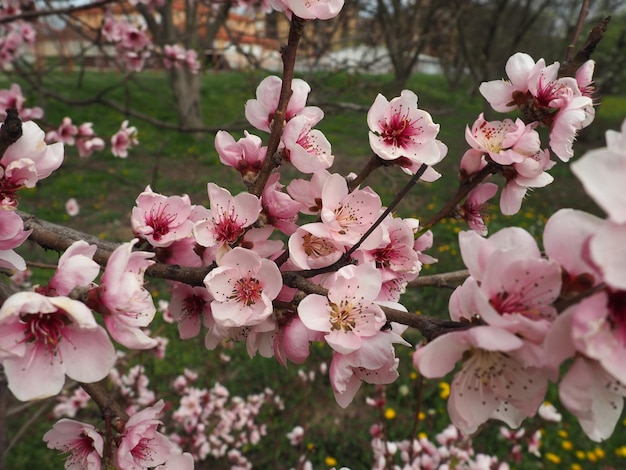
278	120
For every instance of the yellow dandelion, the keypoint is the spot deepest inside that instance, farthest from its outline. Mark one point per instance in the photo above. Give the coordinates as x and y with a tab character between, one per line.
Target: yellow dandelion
422	435
567	445
563	433
580	455
413	375
591	456
310	446
390	413
599	453
444	390
421	416
621	451
576	466
330	461
553	458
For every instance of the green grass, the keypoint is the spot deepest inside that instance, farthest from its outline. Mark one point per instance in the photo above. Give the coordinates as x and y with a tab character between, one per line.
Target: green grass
175	163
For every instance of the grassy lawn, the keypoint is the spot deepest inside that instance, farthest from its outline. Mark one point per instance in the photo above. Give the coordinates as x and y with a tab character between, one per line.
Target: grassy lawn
174	163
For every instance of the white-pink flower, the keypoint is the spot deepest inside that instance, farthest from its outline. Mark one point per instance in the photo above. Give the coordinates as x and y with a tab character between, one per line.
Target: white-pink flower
348	215
82	442
602	172
401	132
492	384
374	362
46	338
474	206
142	446
12	235
76	268
562	103
72	207
309	9
260	111
307	149
27	161
246	155
126	305
348	313
229	217
506	142
123	140
190	307
161	220
243	287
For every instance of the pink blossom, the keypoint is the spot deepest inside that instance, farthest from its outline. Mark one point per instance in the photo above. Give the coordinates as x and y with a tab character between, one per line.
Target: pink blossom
602	172
529	173
243	287
474	206
81	441
125	304
348	215
182	461
492	383
245	155
374	362
312	246
476	251
142	446
292	341
161	220
505	142
123	140
13	98
348	313
593	396
260	111
401	132
66	133
71	207
306	148
26	161
516	291
228	219
279	209
51	337
86	141
309	193
12	235
566	237
190	307
309	10
562	103
76	268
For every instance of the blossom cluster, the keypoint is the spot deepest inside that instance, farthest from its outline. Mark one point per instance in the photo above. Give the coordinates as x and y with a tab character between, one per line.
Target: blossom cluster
321	259
14	35
207	424
530	311
563	104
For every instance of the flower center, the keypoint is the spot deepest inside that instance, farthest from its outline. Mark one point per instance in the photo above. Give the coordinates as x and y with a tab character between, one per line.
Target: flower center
160	221
617	315
227	229
317	247
342	316
399	131
193	305
46	329
247	291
